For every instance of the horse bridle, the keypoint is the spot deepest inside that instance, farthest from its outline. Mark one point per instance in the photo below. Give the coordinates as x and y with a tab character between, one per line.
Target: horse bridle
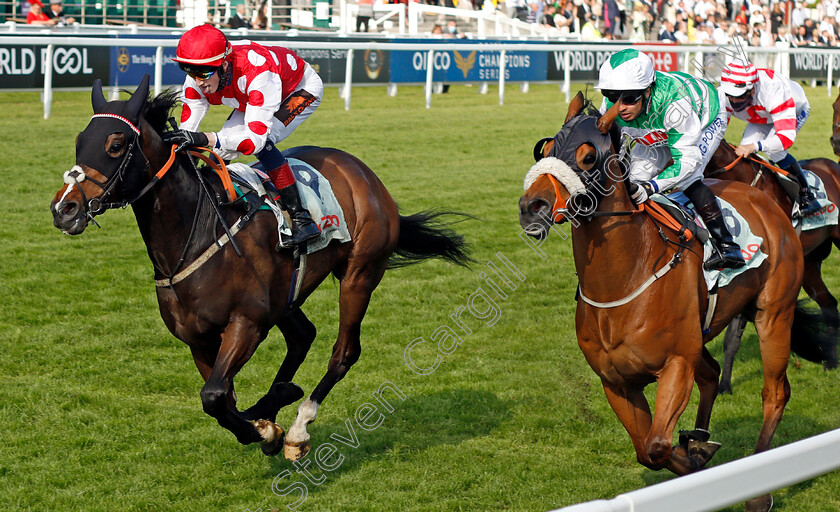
96	206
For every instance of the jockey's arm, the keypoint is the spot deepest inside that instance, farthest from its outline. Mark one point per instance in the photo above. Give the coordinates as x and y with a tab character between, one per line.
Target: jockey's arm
264	98
781	108
194	105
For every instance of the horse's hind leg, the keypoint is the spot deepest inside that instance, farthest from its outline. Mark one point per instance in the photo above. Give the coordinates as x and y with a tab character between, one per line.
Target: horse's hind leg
356	288
299	334
774	335
815	287
731	344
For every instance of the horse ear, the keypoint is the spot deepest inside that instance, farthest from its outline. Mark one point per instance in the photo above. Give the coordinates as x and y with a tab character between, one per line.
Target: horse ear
542	148
605	122
575	106
141	94
97	99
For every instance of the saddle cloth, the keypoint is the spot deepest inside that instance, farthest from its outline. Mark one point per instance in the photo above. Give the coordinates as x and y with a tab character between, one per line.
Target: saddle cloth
827	216
316	196
749	242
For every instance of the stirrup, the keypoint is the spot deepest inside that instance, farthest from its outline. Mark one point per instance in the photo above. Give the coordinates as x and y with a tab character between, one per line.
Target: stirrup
808	204
301	234
721	260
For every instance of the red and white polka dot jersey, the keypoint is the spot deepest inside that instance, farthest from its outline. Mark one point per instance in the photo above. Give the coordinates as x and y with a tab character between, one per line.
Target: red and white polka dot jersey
778	101
263	76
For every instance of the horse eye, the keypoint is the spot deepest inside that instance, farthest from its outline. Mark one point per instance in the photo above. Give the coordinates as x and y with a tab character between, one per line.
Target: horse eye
589	159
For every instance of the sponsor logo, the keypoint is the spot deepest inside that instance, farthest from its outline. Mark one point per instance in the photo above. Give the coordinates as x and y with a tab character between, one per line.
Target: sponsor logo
656	138
465	64
123	59
373	63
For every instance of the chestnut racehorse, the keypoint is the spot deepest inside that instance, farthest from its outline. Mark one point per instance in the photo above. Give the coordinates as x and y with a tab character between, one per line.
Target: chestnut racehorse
816	246
642	294
228	304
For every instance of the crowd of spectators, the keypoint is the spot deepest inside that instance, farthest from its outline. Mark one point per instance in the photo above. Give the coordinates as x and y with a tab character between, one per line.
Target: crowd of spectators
758	22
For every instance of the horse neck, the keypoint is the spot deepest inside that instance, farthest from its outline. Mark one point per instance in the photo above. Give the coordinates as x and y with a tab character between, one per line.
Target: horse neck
610	250
166	216
753	173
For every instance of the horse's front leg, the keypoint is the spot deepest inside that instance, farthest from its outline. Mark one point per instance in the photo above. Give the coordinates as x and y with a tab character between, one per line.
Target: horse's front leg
299	334
633	410
696	443
239	341
673	392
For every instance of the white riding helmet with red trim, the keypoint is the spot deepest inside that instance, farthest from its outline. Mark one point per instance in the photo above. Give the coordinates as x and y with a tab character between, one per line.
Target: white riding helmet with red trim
204	45
738	77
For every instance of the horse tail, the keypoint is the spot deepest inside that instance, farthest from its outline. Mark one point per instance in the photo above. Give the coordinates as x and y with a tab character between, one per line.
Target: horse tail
425	235
811	336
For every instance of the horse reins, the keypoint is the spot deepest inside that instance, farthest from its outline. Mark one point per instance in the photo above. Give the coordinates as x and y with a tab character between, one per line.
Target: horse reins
658	215
754	159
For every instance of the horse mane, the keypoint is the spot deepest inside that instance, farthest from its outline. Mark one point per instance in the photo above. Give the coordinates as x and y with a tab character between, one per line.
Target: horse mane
157	110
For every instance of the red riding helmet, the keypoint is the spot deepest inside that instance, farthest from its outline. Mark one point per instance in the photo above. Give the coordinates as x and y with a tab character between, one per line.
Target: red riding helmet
204	45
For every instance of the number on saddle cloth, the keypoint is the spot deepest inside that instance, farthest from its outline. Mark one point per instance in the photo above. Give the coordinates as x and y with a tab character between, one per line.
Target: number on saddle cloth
316	196
749	242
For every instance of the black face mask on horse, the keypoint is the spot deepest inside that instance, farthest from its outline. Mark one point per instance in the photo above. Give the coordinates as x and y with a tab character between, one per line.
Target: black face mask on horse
579	131
108	146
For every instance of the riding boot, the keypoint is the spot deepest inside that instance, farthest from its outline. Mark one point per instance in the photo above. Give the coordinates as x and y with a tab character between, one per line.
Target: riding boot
727	253
303	227
808	204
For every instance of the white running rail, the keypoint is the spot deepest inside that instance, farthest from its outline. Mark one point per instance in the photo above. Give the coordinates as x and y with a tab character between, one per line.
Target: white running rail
730	483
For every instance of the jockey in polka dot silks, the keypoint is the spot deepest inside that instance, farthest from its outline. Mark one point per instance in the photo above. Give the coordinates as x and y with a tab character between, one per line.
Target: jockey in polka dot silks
271	90
775	109
677	122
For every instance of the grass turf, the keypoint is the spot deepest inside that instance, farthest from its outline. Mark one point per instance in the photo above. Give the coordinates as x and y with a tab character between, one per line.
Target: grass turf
99	405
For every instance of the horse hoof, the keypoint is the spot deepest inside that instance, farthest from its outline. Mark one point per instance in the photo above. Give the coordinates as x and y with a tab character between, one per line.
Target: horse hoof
273	436
693	435
724	389
702	451
760	504
296	451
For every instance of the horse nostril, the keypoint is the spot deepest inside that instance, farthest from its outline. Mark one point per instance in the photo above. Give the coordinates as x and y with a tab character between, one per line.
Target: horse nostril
69	209
537	205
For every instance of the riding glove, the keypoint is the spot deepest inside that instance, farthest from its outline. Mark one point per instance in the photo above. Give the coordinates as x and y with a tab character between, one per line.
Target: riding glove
184	138
639	192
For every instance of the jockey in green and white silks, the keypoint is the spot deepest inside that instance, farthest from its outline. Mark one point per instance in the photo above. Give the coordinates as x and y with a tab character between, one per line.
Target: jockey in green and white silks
672	117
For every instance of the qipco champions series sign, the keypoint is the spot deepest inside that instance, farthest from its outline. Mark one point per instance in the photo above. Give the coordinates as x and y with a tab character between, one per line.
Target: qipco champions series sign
468	66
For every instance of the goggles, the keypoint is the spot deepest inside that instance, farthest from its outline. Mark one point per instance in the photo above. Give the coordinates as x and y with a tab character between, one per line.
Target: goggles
626	97
199	72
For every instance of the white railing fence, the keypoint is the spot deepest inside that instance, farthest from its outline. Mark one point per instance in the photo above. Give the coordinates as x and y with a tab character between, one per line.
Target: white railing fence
692	60
730	483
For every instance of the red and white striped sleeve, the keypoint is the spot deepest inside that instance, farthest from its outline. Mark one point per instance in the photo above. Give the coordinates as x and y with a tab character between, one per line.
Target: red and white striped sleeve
781	110
194	105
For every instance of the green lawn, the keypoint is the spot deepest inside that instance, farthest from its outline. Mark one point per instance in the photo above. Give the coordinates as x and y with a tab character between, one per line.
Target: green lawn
99	403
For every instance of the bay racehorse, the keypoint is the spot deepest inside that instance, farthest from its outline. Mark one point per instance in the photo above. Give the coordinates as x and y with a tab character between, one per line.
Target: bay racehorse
816	246
642	294
228	304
